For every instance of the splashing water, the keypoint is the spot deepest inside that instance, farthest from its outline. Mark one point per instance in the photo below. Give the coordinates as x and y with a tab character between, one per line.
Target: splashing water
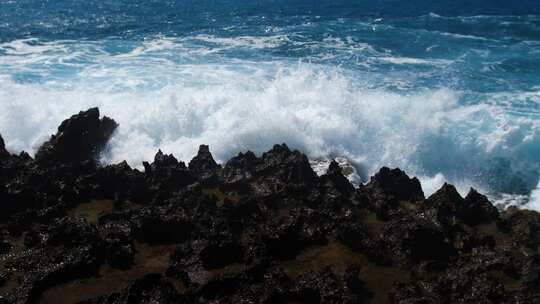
446	98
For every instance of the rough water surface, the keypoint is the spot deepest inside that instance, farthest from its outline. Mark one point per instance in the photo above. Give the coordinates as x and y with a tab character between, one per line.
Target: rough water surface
448	91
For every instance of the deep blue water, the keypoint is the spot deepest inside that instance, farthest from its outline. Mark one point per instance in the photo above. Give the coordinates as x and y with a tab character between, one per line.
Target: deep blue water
447	90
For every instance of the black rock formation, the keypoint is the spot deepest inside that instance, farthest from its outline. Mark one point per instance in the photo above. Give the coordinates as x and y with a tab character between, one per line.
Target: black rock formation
260	229
79	138
3	152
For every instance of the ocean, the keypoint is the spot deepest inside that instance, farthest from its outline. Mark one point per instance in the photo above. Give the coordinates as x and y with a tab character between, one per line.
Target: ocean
449	91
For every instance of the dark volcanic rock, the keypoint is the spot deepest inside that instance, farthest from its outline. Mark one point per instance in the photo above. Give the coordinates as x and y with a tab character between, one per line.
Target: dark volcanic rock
159	228
43	268
447	203
150	289
286	238
451	208
166	174
326	287
396	183
259	230
523	226
286	166
204	164
3	152
334	178
276	170
416	239
221	254
81	137
478	209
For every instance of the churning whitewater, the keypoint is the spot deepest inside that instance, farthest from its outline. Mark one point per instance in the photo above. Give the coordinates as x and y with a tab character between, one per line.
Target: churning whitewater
446	98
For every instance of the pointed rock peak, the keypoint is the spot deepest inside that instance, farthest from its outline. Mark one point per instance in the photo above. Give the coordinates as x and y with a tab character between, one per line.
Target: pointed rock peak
475	196
242	160
283	148
248	155
450	189
124	166
204	153
147	166
334	168
162	159
478	209
204	160
81	137
3	151
475	199
90	115
335	176
2	145
159	155
204	149
288	166
447	193
25	156
397	183
386	172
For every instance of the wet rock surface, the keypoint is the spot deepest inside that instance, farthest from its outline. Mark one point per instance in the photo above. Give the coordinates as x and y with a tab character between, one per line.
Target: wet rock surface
259	229
79	138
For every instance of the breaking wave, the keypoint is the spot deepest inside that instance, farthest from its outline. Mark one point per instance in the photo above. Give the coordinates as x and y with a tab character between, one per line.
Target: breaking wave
453	104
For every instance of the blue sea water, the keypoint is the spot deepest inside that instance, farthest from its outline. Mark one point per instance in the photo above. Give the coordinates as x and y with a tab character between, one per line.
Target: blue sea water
447	90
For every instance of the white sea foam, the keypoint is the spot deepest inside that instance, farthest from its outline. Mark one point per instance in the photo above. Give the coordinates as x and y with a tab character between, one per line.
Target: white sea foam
430	184
164	99
407	60
534	200
253	42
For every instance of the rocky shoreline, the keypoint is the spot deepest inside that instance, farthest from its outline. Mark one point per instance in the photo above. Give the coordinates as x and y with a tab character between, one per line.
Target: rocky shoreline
261	229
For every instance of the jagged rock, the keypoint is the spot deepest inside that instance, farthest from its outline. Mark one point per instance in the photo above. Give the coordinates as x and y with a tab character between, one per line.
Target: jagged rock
285	238
387	190
69	232
523	226
396	183
261	230
120	255
47	267
150	289
4	154
326	287
451	208
167	174
286	166
447	203
356	236
163	228
205	166
123	183
81	137
5	246
334	178
117	226
530	273
238	171
220	254
475	277
416	239
275	170
477	209
223	286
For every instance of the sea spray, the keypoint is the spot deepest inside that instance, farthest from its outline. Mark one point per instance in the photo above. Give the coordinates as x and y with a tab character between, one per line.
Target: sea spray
458	102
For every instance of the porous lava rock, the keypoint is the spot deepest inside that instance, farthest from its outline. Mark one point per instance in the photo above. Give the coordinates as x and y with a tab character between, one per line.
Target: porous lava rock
3	152
259	229
79	138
